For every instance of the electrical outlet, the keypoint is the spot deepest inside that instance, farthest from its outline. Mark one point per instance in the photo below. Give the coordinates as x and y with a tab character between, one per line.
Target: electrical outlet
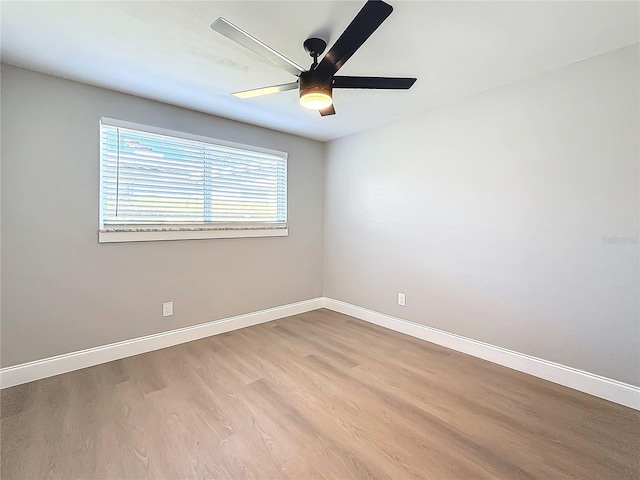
167	309
402	300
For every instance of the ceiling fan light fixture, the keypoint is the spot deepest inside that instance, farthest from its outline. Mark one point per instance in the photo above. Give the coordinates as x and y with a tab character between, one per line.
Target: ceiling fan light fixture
316	98
315	90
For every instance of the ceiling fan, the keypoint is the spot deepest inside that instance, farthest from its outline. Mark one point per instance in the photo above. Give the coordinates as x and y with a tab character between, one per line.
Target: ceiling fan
316	83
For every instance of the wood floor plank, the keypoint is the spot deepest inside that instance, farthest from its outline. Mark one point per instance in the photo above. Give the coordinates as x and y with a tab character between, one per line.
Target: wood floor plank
317	395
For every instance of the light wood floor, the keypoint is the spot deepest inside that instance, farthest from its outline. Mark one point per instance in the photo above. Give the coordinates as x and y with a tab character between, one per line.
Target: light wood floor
319	395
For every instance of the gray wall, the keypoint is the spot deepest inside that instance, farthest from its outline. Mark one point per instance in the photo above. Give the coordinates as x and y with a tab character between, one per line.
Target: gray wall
62	291
490	215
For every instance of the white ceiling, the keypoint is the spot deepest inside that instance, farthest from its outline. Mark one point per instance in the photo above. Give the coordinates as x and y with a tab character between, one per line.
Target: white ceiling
166	51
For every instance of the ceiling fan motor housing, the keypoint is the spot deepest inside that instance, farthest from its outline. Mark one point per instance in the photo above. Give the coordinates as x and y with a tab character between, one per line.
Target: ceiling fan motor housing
315	87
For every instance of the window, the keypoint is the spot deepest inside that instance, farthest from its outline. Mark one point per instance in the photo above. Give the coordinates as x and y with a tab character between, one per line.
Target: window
158	184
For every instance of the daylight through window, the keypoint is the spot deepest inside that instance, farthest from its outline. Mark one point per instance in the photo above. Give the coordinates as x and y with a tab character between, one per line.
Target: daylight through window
154	180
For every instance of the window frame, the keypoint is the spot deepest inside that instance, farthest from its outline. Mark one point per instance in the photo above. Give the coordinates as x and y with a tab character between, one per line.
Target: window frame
146	233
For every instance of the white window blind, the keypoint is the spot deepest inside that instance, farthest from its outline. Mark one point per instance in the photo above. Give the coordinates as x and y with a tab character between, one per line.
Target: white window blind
153	179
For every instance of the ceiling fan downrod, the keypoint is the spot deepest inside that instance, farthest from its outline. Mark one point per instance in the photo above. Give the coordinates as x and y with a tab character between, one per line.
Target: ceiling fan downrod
314	47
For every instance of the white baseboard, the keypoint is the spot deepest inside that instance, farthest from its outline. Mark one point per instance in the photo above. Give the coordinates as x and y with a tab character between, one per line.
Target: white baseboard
68	362
602	387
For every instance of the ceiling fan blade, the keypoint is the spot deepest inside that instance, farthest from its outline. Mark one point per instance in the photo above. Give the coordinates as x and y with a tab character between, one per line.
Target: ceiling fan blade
368	19
229	30
328	111
384	83
257	92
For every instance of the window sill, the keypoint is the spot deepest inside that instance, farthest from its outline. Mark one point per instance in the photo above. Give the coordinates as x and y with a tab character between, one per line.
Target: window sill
119	236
